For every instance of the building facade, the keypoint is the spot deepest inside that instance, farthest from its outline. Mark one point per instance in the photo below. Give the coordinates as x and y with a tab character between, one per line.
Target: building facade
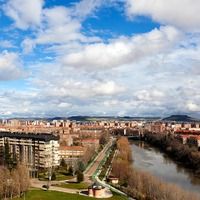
35	150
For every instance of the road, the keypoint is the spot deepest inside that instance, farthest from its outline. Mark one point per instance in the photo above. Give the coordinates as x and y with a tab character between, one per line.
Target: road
94	166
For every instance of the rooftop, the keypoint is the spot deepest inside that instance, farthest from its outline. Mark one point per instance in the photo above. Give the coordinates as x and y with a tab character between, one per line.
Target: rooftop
37	136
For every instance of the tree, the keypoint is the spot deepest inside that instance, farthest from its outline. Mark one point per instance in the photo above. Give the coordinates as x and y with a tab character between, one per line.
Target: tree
53	177
71	171
63	163
14	182
7	155
89	153
104	138
79	176
24	180
81	166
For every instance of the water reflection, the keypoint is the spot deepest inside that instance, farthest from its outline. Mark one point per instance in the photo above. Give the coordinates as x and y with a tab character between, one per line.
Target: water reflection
150	159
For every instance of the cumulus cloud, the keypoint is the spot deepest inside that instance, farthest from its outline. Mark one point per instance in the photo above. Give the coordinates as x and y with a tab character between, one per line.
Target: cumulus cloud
193	107
108	88
59	27
123	50
150	95
154	73
86	7
10	66
24	13
6	44
180	13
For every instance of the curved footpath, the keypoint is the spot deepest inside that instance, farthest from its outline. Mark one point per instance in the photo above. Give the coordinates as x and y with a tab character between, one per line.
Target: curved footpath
38	184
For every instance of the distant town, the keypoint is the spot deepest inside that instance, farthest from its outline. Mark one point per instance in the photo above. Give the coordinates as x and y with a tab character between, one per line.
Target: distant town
90	149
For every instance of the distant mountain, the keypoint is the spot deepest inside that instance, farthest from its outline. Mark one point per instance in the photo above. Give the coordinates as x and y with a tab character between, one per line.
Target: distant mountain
82	118
111	118
57	118
180	118
78	118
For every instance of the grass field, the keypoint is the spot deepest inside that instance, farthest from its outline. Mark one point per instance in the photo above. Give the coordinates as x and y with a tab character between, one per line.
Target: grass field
52	195
74	185
59	177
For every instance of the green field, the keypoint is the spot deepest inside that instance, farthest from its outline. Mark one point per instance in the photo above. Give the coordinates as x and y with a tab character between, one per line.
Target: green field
74	185
52	195
59	177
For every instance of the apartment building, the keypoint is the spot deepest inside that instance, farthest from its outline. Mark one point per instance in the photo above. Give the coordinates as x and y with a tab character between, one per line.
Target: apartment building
36	150
90	142
71	153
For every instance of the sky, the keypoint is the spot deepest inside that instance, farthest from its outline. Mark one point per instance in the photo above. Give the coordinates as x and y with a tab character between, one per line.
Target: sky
99	58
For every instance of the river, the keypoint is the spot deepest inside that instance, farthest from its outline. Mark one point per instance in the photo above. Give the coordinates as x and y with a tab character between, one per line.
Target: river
150	159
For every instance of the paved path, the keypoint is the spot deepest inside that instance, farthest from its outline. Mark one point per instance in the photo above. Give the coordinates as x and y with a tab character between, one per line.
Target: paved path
89	172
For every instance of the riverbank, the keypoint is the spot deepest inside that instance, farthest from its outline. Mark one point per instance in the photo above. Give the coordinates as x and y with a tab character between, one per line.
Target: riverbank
187	156
142	185
150	159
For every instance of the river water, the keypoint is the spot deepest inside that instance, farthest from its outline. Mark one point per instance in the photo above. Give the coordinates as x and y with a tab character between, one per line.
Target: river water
149	159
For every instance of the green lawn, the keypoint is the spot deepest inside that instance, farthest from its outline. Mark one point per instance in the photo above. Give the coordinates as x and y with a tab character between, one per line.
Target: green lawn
52	195
59	177
74	185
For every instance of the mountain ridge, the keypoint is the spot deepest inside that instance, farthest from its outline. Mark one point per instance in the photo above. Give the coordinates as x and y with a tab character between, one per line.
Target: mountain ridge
180	118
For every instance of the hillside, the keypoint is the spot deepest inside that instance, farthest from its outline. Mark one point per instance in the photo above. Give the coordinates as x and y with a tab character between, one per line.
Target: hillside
180	118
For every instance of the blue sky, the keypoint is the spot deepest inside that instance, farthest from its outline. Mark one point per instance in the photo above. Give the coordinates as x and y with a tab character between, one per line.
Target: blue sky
99	57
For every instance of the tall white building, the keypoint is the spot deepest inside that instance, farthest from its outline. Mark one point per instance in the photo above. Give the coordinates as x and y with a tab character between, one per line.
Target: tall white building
35	150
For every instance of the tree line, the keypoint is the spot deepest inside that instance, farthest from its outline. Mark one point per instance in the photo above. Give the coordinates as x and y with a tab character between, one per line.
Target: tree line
141	185
189	156
14	182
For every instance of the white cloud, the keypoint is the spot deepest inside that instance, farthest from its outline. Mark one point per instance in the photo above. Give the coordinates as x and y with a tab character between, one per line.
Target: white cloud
24	13
86	7
155	73
150	95
10	66
6	44
108	88
192	107
27	45
64	105
58	27
180	13
123	50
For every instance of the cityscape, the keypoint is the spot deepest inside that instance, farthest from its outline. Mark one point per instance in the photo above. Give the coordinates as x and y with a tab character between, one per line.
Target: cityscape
99	99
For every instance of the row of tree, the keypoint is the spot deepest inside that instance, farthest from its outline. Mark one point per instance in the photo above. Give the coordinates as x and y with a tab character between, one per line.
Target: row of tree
13	182
189	156
142	185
